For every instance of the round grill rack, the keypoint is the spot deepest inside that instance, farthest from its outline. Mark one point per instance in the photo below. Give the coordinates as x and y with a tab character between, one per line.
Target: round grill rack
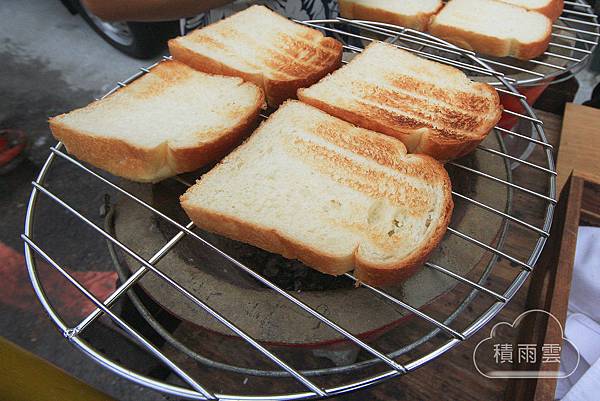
440	333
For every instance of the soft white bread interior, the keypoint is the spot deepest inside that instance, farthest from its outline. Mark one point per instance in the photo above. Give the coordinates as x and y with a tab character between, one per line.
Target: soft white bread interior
493	27
172	120
413	14
312	187
550	8
432	108
262	47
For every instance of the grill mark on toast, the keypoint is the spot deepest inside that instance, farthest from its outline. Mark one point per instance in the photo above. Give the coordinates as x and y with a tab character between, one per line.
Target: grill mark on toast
354	174
282	61
377	90
305	52
373	111
285	59
471	102
379	149
407	104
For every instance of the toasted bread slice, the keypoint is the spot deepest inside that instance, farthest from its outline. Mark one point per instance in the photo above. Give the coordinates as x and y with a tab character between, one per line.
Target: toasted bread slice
413	14
432	108
550	8
493	28
312	187
172	120
263	47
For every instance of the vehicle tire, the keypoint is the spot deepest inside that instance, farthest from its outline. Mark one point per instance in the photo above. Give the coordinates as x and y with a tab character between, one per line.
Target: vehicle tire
137	39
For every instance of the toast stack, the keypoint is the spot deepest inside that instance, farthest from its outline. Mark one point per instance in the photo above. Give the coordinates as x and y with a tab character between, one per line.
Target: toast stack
337	197
493	27
173	119
413	14
262	47
432	108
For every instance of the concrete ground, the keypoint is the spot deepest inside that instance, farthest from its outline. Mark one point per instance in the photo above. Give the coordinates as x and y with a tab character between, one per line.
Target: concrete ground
52	62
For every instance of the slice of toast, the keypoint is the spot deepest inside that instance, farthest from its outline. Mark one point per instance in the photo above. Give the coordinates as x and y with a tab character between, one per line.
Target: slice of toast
432	108
413	14
263	47
550	8
312	187
172	120
493	28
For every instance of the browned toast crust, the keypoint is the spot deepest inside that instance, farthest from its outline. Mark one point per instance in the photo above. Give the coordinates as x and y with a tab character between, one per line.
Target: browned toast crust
490	45
352	10
122	159
553	9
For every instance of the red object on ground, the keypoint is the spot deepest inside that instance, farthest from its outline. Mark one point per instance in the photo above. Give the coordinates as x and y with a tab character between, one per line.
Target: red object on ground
12	143
16	290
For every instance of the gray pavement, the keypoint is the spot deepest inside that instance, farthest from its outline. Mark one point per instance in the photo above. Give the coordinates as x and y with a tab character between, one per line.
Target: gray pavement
52	62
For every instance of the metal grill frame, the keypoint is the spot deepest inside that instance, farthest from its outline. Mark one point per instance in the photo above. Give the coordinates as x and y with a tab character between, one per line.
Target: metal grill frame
196	390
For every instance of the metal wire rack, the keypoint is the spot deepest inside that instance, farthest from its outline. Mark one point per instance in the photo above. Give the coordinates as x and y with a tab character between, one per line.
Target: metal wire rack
353	40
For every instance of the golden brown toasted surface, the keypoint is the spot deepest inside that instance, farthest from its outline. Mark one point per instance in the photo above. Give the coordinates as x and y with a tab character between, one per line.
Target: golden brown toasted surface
351	173
259	40
397	93
310	186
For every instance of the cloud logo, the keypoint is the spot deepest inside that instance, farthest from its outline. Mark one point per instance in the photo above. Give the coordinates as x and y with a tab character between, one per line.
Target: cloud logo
494	359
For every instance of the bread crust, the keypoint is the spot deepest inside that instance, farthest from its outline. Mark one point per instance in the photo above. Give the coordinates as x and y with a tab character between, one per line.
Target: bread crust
276	90
111	154
491	45
140	164
353	10
442	149
265	238
366	270
384	274
553	9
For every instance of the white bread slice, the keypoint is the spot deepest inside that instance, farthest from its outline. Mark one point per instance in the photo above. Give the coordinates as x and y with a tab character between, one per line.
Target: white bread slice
413	14
312	187
172	120
432	108
493	28
550	8
263	47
